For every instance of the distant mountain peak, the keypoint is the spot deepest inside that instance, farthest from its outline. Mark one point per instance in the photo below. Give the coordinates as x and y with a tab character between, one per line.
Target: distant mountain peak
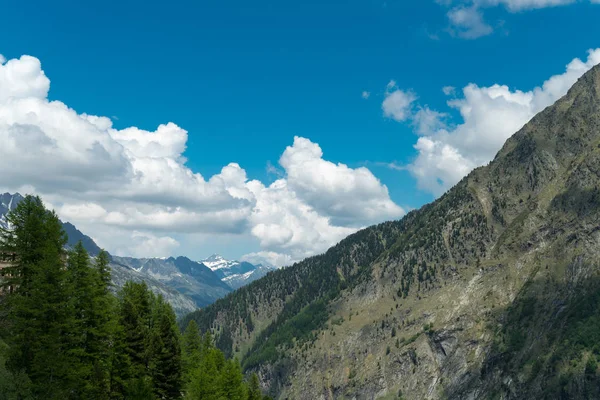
217	261
10	201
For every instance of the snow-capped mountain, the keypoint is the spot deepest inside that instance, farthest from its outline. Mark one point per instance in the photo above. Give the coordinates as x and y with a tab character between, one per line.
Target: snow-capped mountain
236	281
235	273
8	202
217	262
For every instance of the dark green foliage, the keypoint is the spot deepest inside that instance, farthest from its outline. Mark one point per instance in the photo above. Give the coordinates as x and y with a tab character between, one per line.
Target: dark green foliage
165	351
68	337
558	349
39	313
301	328
134	317
13	385
191	349
254	392
151	341
210	376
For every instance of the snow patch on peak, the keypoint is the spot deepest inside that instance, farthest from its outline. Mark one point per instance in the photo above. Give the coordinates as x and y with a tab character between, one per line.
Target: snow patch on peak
238	276
216	262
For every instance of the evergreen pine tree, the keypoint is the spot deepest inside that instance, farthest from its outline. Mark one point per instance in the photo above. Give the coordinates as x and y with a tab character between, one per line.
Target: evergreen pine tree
102	328
40	317
103	269
119	363
205	382
254	392
191	352
232	381
134	317
165	351
81	286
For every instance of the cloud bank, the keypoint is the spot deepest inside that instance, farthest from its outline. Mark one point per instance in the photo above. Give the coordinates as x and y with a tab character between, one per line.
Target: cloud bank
132	190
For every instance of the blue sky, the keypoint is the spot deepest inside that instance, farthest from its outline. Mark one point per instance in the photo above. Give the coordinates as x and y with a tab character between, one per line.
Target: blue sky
243	79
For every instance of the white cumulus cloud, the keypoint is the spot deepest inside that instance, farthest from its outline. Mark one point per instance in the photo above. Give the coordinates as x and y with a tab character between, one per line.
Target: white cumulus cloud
490	115
349	196
397	103
132	190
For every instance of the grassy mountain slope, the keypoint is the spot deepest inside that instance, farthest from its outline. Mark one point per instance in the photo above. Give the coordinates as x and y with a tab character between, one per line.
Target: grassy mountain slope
489	292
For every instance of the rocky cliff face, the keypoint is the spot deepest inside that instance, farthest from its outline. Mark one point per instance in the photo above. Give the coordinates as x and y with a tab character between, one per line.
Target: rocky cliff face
491	292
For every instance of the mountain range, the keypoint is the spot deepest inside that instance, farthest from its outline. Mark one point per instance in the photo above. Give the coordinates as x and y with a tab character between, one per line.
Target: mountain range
490	292
235	273
185	284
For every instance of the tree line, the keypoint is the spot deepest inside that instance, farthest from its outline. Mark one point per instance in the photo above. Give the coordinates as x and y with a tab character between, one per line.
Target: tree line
65	335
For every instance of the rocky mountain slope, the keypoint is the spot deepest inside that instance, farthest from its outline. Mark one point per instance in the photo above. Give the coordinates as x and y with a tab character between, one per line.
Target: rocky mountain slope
188	277
490	292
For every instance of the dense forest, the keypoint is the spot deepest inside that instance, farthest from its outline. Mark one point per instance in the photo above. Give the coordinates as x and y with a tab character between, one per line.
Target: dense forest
64	335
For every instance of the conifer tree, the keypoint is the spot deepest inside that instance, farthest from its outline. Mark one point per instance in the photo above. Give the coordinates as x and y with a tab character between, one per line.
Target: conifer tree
205	379
80	286
165	350
39	314
119	363
254	392
232	382
191	351
134	317
102	327
103	269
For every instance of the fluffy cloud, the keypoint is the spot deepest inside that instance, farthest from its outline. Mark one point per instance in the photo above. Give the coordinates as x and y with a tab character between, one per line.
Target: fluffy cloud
22	78
148	245
490	115
350	197
467	20
397	103
131	188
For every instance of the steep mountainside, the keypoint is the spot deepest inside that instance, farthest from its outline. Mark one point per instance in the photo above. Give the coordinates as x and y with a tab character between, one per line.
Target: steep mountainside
490	292
74	236
181	303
